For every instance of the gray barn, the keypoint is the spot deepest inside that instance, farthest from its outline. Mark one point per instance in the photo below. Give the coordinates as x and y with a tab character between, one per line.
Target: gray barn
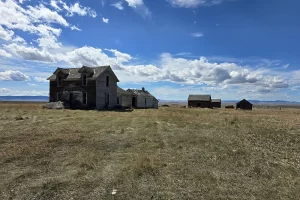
199	101
216	103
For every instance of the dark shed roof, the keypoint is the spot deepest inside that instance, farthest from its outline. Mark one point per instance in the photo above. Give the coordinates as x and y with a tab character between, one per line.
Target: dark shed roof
75	73
142	92
244	101
121	91
199	98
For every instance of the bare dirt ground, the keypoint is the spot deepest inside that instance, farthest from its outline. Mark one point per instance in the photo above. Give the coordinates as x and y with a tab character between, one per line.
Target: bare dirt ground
169	153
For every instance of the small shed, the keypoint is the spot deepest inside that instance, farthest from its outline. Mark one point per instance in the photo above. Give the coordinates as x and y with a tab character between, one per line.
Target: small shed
199	101
244	105
123	98
216	103
142	99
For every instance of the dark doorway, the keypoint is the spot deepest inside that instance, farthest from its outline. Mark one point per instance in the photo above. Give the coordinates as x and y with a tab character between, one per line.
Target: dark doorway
133	102
198	104
71	100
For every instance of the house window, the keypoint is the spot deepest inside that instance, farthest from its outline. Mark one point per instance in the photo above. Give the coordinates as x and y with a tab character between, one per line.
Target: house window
84	98
59	81
107	81
107	99
58	96
118	100
84	80
145	102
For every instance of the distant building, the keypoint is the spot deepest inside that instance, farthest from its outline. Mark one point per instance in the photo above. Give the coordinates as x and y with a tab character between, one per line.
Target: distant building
200	101
216	103
244	105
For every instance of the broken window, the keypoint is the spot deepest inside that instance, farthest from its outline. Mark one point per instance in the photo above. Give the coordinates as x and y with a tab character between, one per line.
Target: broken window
59	81
84	80
107	81
58	96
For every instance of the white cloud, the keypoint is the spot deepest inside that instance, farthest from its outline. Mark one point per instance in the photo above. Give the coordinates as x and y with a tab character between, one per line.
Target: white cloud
54	3
121	57
105	20
41	79
194	3
13	76
75	28
6	34
135	3
5	90
198	34
118	5
286	66
78	9
38	20
72	9
195	71
30	53
18	39
139	7
41	13
3	53
48	42
201	71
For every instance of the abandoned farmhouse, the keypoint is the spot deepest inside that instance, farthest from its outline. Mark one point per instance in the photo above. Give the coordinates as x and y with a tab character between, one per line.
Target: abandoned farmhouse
95	87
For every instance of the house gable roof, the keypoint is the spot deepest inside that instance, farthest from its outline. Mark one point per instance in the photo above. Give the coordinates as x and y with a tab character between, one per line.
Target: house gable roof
199	97
244	101
75	73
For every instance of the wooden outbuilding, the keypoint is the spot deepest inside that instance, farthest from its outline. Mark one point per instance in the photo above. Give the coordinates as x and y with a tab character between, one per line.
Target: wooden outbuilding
124	98
216	103
244	105
199	101
142	99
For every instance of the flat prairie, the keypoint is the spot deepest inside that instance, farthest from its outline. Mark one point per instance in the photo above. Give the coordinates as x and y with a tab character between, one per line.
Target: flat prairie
165	153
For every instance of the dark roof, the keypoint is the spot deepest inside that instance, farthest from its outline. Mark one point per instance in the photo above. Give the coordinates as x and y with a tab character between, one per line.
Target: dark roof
73	73
140	93
244	101
121	91
216	100
199	98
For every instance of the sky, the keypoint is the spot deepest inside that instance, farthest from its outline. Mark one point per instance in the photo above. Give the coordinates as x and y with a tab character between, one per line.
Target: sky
231	49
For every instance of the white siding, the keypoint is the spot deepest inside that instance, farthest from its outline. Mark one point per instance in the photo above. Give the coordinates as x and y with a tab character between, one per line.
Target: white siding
127	101
102	90
150	102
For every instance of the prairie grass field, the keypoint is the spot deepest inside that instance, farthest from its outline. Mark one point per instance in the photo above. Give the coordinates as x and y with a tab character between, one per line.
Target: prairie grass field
165	153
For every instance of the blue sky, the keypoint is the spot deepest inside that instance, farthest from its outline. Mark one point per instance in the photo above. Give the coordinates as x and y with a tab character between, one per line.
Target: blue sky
232	49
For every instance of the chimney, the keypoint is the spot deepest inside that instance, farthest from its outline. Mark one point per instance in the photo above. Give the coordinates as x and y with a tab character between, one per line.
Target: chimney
143	89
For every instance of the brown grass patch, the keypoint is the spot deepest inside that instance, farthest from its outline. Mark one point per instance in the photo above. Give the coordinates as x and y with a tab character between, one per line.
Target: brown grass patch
169	153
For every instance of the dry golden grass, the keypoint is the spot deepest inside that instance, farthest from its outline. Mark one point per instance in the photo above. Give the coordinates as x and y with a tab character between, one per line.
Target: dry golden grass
169	153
